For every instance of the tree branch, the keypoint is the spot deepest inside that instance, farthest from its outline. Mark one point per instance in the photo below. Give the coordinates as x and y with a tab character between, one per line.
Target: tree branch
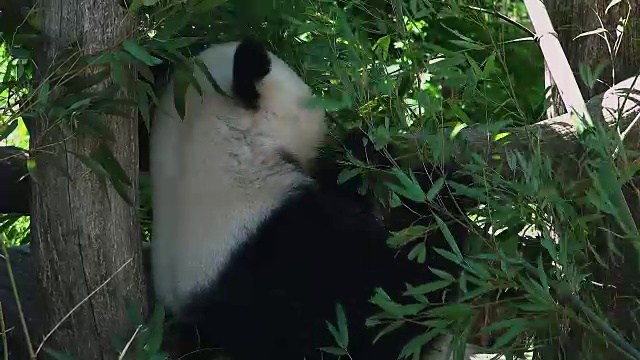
556	137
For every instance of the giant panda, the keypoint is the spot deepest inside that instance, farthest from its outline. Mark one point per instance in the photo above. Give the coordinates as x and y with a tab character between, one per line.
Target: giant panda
247	246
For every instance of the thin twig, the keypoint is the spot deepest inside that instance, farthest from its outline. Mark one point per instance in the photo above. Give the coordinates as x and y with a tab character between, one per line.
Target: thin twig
80	304
14	289
503	17
3	328
126	347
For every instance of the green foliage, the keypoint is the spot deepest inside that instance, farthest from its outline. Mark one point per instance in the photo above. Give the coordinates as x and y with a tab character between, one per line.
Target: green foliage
340	334
400	71
12	133
16	228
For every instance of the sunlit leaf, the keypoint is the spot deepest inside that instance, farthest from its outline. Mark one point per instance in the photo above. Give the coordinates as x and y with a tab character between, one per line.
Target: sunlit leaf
611	4
32	169
592	32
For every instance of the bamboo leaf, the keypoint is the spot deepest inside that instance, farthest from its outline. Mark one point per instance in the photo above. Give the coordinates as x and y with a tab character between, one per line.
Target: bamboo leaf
435	189
205	70
449	237
180	87
515	329
156	328
334	350
43	94
347	174
94	123
611	4
7	128
32	170
122	190
592	32
427	288
91	164
409	187
106	158
140	53
406	235
342	326
143	104
418	343
117	75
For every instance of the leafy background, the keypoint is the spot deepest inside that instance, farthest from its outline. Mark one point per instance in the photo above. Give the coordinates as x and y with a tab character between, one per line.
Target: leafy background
392	68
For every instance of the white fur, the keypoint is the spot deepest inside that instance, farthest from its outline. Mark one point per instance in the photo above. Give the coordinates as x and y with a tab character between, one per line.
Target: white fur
218	173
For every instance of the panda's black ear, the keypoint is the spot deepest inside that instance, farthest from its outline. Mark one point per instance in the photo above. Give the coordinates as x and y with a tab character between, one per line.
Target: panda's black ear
251	63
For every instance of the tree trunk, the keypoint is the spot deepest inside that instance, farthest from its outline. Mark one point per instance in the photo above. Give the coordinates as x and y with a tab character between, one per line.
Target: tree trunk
570	19
83	232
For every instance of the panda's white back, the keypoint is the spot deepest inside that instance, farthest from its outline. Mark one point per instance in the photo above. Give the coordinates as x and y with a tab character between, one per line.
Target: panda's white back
216	173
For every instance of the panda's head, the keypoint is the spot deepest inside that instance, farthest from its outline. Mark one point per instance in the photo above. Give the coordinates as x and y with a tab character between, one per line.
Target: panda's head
268	101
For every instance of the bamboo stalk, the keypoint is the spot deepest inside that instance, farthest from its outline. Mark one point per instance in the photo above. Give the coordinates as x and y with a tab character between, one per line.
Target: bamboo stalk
557	63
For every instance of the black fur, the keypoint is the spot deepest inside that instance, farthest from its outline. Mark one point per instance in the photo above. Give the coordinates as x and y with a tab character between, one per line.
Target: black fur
277	291
251	63
323	246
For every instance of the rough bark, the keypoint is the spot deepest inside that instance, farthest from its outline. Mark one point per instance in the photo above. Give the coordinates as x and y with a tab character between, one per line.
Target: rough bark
82	230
